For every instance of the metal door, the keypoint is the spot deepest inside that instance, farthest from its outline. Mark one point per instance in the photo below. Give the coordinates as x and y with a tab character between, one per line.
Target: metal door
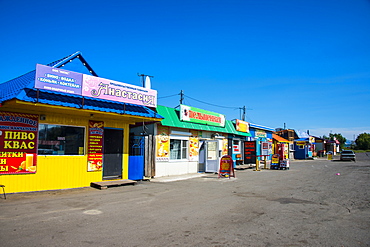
113	151
136	158
212	156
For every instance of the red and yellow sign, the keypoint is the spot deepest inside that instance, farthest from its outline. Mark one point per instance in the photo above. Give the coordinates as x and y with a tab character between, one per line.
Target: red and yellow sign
95	146
163	144
242	126
18	142
226	167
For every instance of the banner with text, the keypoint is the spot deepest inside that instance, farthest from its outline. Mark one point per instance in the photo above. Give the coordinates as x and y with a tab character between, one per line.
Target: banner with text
60	80
95	146
18	142
196	115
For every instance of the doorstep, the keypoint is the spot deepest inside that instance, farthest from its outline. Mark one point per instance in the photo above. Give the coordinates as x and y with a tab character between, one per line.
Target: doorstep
105	184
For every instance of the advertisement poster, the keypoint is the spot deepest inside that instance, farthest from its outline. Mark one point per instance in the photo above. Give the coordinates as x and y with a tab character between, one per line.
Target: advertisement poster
249	152
196	115
95	146
101	88
163	144
194	149
226	167
18	143
225	149
58	80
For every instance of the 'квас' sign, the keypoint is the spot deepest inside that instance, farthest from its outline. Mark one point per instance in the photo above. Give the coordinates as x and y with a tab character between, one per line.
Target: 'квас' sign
18	142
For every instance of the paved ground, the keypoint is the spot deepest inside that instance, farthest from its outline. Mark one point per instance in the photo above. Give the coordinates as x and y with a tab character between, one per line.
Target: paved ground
315	203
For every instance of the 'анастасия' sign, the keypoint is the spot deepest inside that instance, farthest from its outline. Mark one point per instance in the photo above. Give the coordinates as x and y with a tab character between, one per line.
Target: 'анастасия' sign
195	115
60	80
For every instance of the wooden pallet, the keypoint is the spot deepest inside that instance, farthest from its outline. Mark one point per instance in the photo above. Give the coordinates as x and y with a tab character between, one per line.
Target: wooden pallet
105	184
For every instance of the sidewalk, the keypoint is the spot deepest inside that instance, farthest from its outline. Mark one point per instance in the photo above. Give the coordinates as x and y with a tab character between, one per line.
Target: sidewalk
178	177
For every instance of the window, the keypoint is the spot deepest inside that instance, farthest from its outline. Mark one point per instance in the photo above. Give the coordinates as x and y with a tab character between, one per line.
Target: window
61	140
178	149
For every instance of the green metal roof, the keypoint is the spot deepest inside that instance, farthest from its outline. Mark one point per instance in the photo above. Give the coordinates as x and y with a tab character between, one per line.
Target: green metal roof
171	119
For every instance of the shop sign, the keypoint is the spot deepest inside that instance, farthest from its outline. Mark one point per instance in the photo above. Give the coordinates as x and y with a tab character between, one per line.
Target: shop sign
249	152
18	143
65	81
163	144
260	134
101	88
242	126
58	80
301	142
265	147
226	167
194	149
196	115
311	139
95	146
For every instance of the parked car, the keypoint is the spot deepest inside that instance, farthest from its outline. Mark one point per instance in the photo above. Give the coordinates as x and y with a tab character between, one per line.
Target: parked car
348	155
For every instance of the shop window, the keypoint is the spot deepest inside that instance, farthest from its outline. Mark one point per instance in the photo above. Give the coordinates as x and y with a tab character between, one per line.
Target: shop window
178	149
61	140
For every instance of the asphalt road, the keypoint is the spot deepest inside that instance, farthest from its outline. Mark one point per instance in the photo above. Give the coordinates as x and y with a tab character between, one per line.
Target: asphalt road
315	203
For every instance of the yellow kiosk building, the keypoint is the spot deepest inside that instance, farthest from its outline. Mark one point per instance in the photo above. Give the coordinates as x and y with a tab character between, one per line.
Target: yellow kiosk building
62	126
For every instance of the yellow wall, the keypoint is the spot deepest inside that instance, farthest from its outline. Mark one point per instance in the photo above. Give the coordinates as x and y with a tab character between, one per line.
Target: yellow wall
63	172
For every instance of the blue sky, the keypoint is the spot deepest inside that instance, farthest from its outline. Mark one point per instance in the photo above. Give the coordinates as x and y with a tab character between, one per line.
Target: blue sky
303	63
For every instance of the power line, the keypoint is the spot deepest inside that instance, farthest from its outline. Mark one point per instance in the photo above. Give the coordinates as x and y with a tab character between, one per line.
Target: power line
168	96
228	107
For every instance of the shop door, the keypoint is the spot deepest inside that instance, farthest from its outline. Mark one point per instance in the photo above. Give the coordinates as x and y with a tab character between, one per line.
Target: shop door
113	150
136	158
212	156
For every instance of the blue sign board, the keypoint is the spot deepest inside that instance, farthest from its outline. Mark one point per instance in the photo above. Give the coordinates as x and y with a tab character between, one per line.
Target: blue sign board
58	80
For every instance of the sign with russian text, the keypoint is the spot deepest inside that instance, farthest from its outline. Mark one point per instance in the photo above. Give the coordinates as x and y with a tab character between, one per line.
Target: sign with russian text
226	167
95	146
58	80
101	88
18	142
249	152
242	126
196	115
260	134
65	81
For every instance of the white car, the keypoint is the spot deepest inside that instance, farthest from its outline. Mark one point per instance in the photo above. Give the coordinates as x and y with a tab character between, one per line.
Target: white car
348	155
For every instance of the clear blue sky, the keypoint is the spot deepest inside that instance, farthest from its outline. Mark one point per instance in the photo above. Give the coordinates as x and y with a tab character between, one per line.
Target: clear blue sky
303	63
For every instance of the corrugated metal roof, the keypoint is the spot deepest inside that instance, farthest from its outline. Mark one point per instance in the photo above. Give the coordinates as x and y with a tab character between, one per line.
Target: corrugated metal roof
21	88
279	138
257	126
171	119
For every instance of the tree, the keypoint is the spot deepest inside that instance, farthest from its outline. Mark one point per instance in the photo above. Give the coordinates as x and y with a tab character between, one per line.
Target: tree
363	141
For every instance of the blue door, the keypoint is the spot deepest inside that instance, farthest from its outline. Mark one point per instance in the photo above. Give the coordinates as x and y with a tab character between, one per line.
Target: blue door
136	158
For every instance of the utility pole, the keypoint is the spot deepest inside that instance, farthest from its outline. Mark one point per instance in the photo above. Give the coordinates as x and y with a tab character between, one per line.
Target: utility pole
181	97
242	113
